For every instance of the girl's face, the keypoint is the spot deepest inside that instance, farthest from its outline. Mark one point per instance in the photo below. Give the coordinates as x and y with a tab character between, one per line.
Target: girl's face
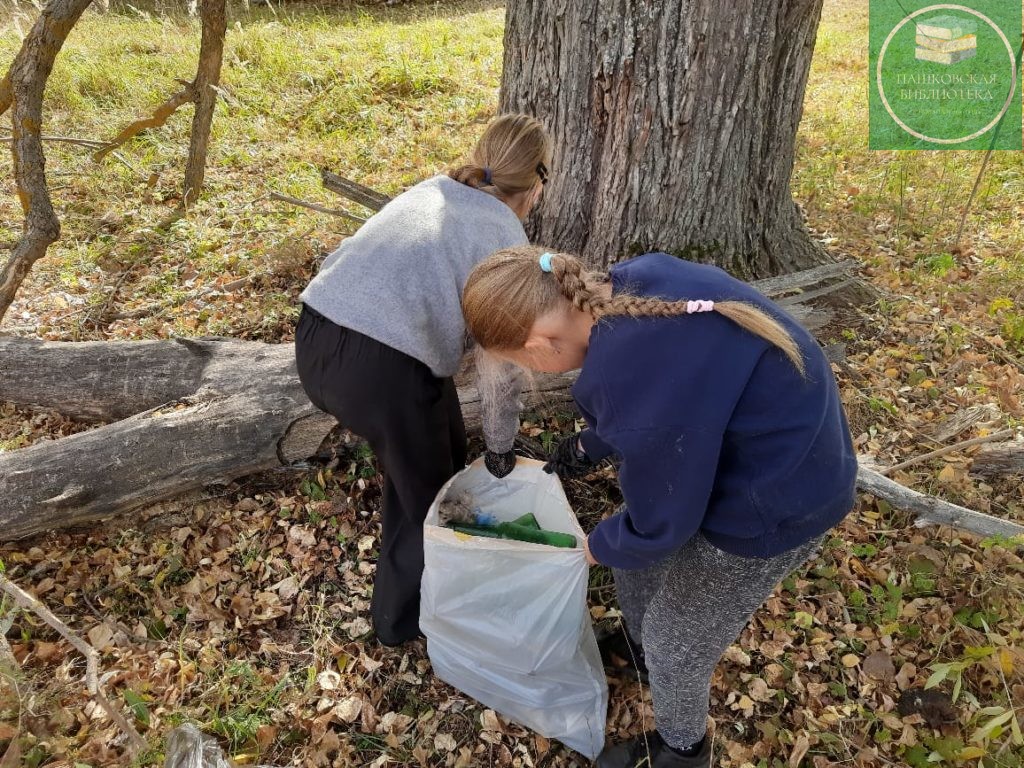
557	342
545	358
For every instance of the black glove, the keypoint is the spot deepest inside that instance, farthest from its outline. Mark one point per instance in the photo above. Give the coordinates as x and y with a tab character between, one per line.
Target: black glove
568	459
500	464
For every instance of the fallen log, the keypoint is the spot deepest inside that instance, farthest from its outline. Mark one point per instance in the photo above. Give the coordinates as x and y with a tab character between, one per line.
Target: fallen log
1006	459
931	510
192	413
196	412
188	413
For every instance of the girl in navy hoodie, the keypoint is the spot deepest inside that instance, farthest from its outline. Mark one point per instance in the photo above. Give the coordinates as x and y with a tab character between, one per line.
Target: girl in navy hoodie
735	453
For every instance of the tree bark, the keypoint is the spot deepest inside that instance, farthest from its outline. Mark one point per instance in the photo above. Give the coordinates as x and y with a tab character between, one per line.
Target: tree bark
674	126
26	83
1005	459
211	55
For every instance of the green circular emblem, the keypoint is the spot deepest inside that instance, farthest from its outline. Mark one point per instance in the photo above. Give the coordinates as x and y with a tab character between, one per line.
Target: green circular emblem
946	74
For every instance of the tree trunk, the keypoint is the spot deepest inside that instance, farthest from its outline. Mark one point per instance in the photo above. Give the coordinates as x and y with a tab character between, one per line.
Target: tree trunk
26	82
211	55
674	126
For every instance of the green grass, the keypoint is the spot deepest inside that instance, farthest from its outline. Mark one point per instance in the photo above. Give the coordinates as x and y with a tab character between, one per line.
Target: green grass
909	202
388	98
384	98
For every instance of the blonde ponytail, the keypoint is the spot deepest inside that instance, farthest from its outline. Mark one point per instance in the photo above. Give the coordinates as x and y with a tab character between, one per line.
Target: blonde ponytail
512	156
508	291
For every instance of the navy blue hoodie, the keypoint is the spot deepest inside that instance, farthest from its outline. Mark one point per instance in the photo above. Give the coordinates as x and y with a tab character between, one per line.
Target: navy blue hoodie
716	429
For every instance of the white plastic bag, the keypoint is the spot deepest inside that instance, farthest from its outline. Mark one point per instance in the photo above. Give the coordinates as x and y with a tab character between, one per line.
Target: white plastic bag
507	621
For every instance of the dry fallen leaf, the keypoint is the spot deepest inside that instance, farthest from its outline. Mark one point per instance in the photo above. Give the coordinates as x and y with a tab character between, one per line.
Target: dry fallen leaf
328	680
799	750
12	756
348	709
100	637
490	722
445	742
906	676
879	666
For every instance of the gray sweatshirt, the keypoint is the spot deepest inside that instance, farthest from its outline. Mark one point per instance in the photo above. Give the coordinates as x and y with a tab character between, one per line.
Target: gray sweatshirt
399	280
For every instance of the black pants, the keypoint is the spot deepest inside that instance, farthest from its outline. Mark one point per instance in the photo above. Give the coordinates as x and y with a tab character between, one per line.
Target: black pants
413	422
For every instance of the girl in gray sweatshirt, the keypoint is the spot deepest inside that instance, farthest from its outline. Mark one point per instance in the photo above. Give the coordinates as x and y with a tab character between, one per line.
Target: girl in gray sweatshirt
381	335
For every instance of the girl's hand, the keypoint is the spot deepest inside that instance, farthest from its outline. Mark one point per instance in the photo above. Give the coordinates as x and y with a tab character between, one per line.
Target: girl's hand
586	551
569	459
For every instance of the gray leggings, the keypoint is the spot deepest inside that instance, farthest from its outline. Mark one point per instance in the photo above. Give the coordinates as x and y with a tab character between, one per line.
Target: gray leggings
687	610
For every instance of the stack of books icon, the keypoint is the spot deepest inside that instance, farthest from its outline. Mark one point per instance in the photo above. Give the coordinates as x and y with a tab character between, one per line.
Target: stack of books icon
946	39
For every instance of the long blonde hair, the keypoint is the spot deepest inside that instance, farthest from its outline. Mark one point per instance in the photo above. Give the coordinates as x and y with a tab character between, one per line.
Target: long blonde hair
508	291
512	156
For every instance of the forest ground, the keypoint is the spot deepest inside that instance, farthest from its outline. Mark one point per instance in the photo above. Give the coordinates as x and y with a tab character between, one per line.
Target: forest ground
244	610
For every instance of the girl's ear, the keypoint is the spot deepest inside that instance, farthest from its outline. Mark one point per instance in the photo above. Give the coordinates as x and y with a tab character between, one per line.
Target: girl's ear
536	342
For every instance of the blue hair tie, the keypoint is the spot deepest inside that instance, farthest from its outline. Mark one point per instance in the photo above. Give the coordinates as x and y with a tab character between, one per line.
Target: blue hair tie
487	177
545	261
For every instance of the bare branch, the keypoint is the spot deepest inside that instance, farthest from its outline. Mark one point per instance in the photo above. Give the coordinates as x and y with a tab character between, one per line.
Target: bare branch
357	193
1001	435
159	117
91	143
92	680
314	207
930	510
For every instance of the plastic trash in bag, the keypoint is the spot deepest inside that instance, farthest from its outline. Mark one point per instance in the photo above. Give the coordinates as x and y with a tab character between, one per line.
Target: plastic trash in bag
188	747
507	621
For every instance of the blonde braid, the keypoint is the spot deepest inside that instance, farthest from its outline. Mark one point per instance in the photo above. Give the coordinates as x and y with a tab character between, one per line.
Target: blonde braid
574	284
745	315
579	288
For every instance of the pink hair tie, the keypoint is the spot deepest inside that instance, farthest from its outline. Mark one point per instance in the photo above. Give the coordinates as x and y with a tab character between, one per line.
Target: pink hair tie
699	306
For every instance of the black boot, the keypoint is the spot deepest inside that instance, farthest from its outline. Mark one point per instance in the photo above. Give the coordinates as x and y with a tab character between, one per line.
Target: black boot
651	751
621	655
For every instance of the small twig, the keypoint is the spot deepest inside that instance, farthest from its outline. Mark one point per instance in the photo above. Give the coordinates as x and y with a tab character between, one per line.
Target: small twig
29	603
90	143
1001	435
1006	356
314	207
974	191
123	161
981	171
